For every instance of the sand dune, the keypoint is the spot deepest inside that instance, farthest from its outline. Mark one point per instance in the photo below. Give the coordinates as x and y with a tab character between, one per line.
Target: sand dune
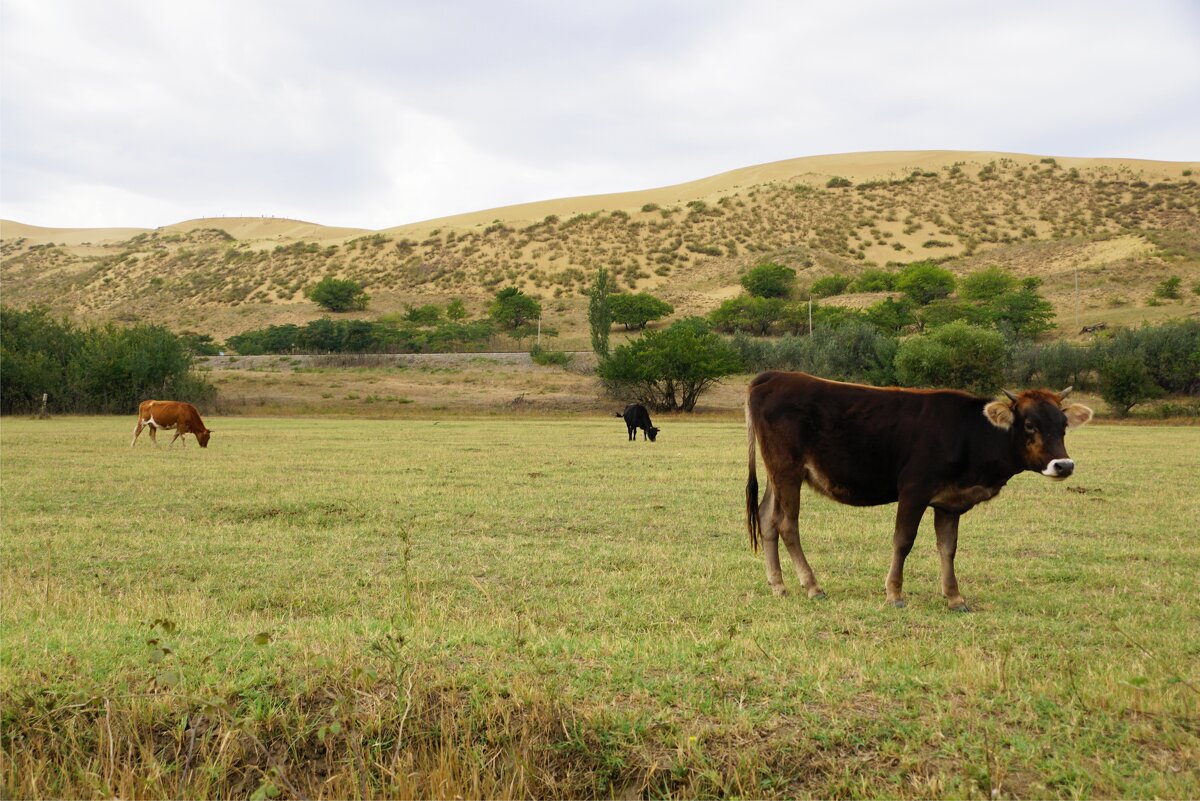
815	170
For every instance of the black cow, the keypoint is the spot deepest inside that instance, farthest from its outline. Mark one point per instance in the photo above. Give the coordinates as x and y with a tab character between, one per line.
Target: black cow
636	417
866	446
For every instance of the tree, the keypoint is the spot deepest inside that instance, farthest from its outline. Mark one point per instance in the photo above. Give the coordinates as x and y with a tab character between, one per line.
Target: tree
1125	382
957	355
892	316
769	281
339	295
600	318
925	282
669	369
456	310
748	313
513	310
429	314
637	310
874	281
1023	311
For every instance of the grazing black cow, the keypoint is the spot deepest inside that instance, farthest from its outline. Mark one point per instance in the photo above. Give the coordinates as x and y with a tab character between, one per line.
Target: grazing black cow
636	417
866	446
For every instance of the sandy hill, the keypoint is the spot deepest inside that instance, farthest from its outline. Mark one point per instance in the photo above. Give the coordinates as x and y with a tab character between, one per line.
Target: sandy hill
1120	225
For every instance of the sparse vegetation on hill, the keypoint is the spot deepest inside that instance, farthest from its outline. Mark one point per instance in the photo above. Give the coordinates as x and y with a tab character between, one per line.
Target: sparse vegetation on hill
1122	230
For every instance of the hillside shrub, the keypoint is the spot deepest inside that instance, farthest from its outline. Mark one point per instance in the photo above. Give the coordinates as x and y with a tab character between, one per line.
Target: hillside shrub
987	284
747	313
874	281
769	281
512	309
957	355
830	286
925	282
338	295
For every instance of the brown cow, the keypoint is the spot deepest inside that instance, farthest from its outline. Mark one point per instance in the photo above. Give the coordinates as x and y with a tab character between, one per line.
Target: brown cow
178	415
867	446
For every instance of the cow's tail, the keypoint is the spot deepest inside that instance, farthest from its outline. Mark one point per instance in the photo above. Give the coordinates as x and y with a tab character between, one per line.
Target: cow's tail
752	523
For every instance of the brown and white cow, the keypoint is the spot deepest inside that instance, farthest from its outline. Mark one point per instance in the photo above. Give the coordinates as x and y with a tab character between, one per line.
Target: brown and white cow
182	417
866	446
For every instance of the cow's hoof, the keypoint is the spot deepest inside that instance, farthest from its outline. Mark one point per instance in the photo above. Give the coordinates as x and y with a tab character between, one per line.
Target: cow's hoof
819	595
778	590
899	604
961	608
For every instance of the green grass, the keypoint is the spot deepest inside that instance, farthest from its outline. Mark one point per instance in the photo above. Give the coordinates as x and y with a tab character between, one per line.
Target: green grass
518	607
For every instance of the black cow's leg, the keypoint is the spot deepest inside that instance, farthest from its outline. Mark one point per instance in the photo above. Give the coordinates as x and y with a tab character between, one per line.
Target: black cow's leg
946	526
908	519
789	530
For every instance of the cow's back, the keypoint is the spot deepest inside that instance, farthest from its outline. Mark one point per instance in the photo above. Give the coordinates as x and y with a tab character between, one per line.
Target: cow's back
855	442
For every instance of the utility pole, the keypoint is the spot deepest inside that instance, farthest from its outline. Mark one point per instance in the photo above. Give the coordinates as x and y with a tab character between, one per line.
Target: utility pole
810	317
1077	298
539	339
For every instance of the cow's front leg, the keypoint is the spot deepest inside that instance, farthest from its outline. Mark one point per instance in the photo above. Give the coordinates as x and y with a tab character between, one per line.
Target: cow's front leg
908	519
946	526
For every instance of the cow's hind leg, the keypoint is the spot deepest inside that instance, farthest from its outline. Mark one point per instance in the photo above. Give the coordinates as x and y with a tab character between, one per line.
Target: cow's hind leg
137	431
908	519
788	524
769	531
946	526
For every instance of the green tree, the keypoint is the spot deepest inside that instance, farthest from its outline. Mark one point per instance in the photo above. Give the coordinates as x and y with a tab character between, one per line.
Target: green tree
669	369
426	315
769	281
600	318
456	310
1023	311
892	316
748	313
957	355
1125	382
513	310
925	282
338	295
635	311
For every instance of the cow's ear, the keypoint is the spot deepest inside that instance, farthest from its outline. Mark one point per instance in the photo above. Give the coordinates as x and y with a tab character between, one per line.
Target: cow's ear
1077	414
999	414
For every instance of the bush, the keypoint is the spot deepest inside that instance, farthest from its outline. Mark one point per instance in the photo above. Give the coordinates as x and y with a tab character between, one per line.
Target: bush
957	355
338	295
854	351
892	316
747	313
669	369
837	182
106	369
1169	288
634	311
925	282
987	284
769	281
1023	312
874	281
829	286
547	357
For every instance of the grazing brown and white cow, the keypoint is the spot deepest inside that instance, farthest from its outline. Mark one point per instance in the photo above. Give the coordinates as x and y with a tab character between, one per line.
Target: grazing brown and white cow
182	417
866	446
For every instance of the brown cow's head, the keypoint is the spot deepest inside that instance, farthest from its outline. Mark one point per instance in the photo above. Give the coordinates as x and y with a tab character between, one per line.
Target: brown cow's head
1038	420
202	437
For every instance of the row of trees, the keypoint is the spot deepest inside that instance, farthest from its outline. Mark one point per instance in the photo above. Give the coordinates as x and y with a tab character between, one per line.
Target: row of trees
104	369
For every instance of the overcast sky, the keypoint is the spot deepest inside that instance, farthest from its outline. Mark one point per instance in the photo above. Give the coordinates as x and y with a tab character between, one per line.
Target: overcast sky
374	114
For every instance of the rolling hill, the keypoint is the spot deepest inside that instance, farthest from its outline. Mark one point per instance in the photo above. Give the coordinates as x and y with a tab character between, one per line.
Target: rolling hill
1119	227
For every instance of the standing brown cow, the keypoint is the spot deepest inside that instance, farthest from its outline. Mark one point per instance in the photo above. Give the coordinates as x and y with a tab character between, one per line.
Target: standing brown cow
178	415
866	446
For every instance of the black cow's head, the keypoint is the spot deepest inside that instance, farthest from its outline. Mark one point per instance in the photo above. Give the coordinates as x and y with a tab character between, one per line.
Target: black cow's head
1038	420
652	433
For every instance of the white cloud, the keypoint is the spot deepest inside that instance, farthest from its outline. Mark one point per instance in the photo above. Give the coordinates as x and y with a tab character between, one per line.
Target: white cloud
378	113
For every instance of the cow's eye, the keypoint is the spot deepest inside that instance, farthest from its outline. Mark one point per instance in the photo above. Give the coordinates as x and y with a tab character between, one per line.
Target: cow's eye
1030	427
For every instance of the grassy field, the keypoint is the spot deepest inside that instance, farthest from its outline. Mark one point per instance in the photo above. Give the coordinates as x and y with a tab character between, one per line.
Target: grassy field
524	607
